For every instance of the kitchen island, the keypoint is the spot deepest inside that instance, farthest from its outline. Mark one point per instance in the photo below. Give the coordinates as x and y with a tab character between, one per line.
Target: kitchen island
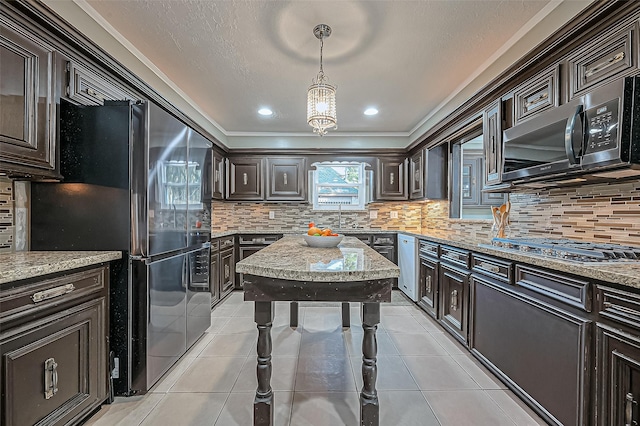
289	270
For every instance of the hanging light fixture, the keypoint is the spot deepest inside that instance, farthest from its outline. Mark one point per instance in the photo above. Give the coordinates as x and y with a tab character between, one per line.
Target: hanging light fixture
321	97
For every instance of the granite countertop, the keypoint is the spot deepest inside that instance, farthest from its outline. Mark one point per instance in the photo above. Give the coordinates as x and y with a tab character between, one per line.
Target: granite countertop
220	234
290	258
29	264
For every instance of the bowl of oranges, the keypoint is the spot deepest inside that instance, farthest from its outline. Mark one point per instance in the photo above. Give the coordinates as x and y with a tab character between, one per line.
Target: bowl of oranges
322	238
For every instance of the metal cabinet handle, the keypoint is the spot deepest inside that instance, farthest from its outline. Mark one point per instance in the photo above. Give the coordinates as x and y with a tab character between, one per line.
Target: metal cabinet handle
391	178
416	176
227	272
50	378
216	176
489	267
540	98
604	65
245	178
454	256
454	300
429	288
52	292
628	410
95	94
285	179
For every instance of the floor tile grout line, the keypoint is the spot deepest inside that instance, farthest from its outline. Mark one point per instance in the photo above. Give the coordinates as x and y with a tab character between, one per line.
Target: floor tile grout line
499	407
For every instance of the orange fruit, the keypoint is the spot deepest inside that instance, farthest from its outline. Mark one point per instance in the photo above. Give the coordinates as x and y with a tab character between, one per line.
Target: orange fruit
311	224
314	230
326	232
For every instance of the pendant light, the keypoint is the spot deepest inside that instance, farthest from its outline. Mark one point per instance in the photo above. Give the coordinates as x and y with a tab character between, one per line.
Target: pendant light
321	96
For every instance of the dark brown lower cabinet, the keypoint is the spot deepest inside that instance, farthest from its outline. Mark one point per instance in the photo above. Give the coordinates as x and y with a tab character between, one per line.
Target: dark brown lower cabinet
454	300
214	275
618	364
227	272
429	285
54	361
543	351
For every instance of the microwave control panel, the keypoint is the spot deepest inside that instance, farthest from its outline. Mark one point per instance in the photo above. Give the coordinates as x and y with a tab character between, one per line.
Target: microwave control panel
602	127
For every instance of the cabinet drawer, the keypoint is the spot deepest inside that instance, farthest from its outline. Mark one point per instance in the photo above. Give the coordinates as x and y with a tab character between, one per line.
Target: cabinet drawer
27	300
603	59
500	270
427	248
52	368
571	291
226	243
88	87
362	237
258	239
619	306
538	94
215	246
456	256
383	240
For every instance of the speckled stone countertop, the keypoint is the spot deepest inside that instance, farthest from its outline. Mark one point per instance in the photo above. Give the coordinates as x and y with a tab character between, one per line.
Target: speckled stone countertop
622	273
291	259
219	234
29	264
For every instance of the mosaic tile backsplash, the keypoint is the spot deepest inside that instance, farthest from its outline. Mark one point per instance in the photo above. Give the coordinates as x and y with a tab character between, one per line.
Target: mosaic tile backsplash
6	215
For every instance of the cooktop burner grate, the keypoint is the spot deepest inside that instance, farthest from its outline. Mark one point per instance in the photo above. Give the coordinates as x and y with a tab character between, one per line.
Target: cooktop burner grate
578	251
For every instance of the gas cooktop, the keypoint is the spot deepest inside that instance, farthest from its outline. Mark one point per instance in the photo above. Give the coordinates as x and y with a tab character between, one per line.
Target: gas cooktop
572	250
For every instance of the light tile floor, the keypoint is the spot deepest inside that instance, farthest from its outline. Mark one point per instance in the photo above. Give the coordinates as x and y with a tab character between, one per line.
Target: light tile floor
424	376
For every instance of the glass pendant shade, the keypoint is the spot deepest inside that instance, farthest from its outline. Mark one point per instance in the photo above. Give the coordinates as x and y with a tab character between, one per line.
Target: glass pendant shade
321	106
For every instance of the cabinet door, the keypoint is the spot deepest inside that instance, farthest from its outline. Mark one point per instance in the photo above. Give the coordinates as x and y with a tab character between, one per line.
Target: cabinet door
618	356
416	176
27	103
387	251
227	272
89	87
214	278
470	186
492	136
245	179
540	93
454	295
429	286
218	176
391	181
54	369
286	179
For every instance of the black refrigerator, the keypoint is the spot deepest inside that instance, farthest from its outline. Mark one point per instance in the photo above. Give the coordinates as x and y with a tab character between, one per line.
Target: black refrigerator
136	179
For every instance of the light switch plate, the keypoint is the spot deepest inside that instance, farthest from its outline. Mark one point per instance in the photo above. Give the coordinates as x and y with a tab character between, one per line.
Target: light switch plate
272	214
393	215
373	214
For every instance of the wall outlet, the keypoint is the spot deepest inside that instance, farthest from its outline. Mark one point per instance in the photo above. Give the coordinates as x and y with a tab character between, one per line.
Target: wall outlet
272	214
373	214
393	215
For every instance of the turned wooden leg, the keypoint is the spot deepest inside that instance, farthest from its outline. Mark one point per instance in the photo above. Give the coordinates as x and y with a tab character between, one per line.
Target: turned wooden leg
346	315
369	407
293	314
263	403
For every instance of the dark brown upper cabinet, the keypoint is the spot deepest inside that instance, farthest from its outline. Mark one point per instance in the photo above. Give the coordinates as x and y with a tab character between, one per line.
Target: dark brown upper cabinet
245	179
609	56
28	97
286	179
540	93
416	175
88	86
218	175
391	183
492	135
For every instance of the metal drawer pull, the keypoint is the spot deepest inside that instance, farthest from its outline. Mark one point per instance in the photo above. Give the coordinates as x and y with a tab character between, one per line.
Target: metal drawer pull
245	178
95	94
489	267
285	179
391	178
604	65
52	292
542	97
454	256
628	410
454	300
50	378
416	176
429	284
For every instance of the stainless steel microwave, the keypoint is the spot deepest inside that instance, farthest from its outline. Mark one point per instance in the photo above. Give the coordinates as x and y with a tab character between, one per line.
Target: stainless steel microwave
596	134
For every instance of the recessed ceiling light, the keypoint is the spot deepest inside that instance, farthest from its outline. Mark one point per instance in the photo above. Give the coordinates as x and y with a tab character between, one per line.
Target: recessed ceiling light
265	111
370	111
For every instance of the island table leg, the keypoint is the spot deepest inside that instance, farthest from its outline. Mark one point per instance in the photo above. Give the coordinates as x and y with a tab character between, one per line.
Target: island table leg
346	315
263	405
369	407
293	314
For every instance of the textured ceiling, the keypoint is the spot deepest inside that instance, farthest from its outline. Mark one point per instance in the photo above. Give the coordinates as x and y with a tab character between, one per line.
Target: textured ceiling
232	57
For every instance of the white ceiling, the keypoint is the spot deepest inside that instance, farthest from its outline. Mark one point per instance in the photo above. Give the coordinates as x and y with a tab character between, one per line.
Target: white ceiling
407	58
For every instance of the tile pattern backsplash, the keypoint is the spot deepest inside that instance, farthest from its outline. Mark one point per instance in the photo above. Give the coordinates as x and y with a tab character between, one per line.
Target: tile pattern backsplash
296	216
602	213
6	215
